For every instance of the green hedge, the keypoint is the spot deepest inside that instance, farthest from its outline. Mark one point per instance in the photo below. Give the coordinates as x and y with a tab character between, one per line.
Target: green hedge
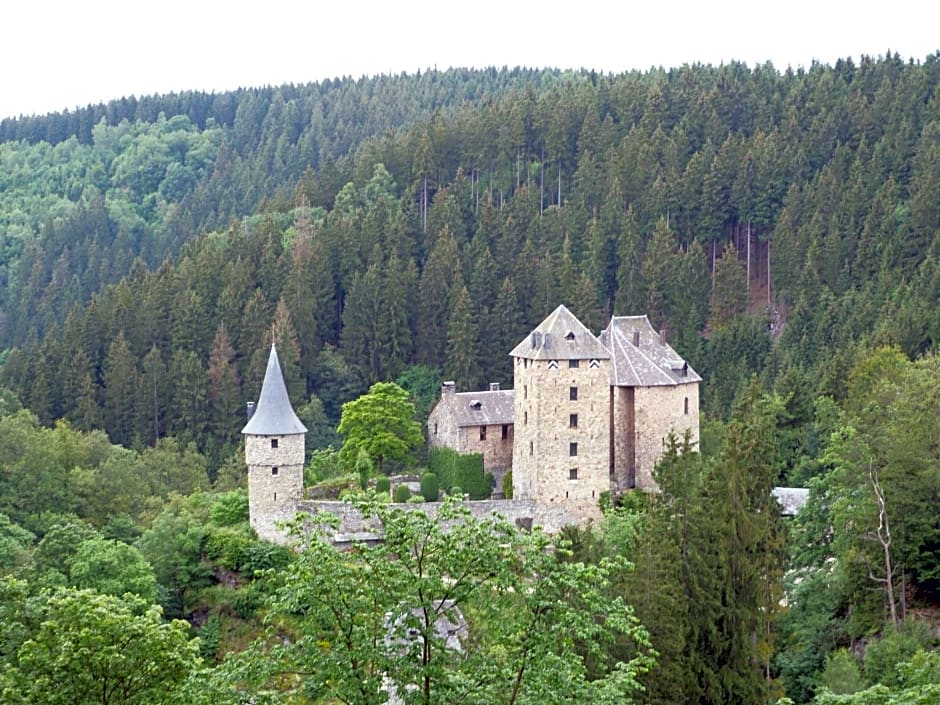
464	471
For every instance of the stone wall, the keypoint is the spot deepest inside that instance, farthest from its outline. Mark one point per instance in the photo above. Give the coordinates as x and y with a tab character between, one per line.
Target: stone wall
275	480
558	463
496	450
442	424
353	528
659	411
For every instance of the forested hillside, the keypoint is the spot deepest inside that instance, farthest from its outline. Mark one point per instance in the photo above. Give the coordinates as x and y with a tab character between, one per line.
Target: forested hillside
783	228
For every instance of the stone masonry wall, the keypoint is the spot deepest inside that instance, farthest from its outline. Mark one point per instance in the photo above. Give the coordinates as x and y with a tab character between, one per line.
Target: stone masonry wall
442	426
496	450
273	496
559	464
660	410
352	527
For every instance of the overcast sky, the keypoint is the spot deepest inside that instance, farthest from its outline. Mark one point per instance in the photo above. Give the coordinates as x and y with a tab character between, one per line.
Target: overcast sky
57	54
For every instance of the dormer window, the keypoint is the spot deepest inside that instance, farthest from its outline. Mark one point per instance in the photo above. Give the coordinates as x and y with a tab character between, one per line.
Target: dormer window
476	405
569	337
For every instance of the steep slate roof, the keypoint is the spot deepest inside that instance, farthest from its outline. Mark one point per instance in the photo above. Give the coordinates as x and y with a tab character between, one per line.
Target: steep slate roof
652	363
274	415
561	336
483	408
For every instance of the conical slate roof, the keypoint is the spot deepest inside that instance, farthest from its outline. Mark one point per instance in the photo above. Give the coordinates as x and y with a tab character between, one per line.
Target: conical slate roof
561	336
274	415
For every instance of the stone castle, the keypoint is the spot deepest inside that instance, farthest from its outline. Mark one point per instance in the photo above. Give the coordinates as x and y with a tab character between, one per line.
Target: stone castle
588	414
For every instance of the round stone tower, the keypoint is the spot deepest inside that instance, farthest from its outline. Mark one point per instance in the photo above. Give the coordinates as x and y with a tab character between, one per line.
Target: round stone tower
274	453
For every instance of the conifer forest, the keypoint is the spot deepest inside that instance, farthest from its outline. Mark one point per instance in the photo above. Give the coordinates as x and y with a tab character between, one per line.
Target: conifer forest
781	227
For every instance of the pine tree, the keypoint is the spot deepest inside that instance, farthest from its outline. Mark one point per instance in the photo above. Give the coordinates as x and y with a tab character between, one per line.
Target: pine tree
435	292
189	411
224	394
362	315
630	299
738	560
729	297
153	398
509	325
395	338
462	335
121	389
659	274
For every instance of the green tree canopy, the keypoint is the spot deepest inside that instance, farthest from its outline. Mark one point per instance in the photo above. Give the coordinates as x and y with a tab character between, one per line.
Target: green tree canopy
90	648
446	609
382	422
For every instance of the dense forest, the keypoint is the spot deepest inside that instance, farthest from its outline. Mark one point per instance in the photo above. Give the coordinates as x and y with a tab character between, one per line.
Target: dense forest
782	228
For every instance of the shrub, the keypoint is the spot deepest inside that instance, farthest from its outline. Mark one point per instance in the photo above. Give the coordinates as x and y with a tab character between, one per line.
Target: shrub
229	508
402	494
383	486
507	484
429	487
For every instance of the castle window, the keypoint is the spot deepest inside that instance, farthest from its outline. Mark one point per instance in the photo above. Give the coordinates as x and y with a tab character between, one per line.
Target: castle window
274	442
531	448
525	391
572	449
525	418
274	470
572	420
573	474
572	363
573	393
686	406
505	431
435	428
482	433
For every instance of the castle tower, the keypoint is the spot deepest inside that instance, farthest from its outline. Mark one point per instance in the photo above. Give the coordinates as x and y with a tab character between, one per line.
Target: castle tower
274	453
562	431
654	393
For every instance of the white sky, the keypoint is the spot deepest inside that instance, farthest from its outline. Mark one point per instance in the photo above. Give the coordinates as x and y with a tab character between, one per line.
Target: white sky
57	54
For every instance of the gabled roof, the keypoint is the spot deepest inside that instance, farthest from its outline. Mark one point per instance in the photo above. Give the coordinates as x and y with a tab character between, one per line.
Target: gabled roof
640	357
561	336
274	415
483	408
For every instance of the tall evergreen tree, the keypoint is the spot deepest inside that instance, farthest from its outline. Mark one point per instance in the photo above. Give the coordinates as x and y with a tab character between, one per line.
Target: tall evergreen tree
730	295
120	391
463	333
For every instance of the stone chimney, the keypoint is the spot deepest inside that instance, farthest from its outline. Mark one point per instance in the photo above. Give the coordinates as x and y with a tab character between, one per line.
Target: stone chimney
662	336
250	410
494	386
448	389
636	338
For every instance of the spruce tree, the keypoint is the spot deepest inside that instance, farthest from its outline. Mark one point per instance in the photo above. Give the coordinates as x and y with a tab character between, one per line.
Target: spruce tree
462	335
